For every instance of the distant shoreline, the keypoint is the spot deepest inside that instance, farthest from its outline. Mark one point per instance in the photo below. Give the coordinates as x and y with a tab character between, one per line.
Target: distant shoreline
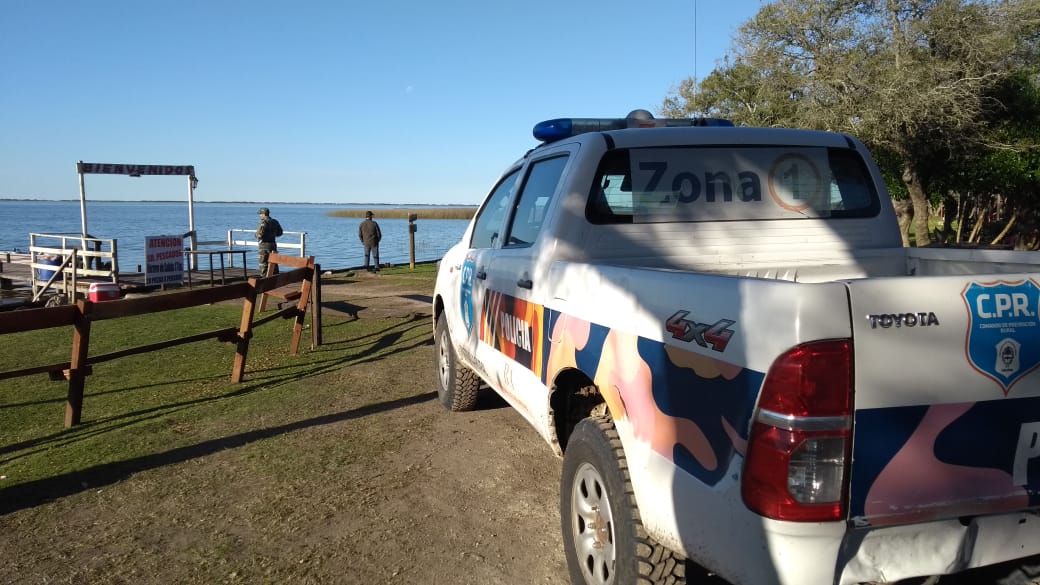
373	205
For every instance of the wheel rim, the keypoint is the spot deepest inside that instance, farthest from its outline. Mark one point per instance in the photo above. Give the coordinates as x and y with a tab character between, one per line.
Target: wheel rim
592	526
444	360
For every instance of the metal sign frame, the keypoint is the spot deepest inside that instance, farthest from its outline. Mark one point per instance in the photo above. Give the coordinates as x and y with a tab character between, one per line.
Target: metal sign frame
135	170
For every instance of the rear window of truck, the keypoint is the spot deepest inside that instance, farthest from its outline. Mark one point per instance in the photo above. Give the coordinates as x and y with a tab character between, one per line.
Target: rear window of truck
679	184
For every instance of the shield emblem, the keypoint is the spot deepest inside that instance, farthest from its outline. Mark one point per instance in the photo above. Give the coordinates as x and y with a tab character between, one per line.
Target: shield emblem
1003	339
469	268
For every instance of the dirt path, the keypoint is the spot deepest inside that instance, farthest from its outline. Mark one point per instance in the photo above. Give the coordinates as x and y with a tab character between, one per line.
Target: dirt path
467	497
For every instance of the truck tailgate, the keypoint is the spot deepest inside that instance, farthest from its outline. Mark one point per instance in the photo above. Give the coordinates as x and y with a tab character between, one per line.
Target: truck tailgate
947	387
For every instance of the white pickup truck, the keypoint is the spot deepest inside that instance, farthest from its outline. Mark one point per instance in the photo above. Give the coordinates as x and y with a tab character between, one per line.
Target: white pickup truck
719	330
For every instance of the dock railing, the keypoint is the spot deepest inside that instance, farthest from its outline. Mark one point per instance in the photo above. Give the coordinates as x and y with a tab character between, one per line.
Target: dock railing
221	249
248	238
64	258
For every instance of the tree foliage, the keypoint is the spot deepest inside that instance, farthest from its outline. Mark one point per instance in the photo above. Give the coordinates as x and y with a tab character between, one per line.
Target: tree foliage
943	91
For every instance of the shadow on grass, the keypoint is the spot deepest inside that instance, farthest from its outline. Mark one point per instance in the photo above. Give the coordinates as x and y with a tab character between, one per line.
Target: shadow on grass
353	310
378	345
61	399
342	307
35	493
385	338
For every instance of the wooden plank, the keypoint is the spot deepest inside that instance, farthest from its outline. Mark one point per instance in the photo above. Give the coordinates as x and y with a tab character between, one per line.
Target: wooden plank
284	293
167	302
281	279
294	261
33	319
35	370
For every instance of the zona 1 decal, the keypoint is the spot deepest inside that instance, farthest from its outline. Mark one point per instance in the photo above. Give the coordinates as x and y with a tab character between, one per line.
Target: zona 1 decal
1003	340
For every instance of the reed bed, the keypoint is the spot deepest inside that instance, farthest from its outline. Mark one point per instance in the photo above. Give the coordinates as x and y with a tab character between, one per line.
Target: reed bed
421	212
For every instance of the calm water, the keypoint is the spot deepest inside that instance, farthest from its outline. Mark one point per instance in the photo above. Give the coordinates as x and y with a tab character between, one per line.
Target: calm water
332	240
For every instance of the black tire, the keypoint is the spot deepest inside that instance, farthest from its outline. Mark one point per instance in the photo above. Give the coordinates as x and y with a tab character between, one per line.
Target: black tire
457	385
603	536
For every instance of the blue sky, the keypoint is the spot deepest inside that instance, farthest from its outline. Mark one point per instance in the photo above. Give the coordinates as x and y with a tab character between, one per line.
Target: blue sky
394	101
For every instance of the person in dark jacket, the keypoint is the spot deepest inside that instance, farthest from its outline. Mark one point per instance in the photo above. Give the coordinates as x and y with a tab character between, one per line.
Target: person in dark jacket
369	234
266	233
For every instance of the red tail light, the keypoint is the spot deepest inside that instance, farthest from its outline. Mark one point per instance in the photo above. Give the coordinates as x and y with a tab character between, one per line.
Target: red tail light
799	450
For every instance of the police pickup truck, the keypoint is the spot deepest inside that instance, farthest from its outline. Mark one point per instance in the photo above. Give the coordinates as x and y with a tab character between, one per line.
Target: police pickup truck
720	332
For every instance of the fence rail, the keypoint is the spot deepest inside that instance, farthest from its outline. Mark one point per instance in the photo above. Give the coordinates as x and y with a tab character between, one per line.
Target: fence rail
84	312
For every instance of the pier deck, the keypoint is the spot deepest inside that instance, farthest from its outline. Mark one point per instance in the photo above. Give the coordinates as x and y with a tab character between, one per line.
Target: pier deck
16	279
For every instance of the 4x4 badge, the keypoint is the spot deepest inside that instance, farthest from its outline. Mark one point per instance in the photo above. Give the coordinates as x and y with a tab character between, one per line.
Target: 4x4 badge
715	336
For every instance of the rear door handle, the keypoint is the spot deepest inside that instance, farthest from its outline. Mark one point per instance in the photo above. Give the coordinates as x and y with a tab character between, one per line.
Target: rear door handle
481	274
525	283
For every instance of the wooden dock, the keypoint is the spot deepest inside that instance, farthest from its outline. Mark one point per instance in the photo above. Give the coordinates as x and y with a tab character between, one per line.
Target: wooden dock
16	280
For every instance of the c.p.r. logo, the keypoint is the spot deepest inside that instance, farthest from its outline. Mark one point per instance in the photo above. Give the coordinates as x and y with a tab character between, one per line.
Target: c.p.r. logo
1003	339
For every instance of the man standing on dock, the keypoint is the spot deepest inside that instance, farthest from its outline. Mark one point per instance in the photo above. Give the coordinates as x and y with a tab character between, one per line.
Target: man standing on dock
266	232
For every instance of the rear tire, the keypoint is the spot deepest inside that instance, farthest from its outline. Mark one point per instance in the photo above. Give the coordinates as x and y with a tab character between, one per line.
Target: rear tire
603	536
457	385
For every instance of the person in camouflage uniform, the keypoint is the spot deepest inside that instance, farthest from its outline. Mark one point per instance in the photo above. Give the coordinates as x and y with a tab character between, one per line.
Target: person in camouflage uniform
266	232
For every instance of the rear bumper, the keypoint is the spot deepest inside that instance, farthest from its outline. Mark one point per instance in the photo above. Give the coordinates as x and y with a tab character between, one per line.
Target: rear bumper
938	547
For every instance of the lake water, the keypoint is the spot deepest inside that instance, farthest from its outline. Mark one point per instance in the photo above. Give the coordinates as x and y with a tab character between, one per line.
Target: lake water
332	240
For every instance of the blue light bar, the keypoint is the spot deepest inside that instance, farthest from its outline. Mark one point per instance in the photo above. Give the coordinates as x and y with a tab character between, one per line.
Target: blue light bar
560	128
553	130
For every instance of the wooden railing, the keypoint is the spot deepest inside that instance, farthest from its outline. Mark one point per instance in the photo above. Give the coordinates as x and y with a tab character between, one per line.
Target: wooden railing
61	254
83	313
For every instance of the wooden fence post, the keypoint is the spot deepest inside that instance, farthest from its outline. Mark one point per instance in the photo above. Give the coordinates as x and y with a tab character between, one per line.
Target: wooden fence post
316	308
78	369
245	332
301	307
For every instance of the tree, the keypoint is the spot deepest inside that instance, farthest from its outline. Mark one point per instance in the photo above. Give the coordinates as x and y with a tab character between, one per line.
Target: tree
915	78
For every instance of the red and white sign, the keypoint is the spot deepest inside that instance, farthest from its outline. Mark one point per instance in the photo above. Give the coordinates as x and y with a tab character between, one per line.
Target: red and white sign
164	260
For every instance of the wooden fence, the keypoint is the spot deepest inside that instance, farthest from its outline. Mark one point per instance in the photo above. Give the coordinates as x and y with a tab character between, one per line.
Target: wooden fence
83	313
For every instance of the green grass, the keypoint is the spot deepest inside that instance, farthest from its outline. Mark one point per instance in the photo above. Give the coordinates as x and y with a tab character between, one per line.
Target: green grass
422	212
146	407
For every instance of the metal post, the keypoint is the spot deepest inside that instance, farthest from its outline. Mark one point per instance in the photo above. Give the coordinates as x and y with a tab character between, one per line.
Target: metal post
115	261
191	221
82	200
